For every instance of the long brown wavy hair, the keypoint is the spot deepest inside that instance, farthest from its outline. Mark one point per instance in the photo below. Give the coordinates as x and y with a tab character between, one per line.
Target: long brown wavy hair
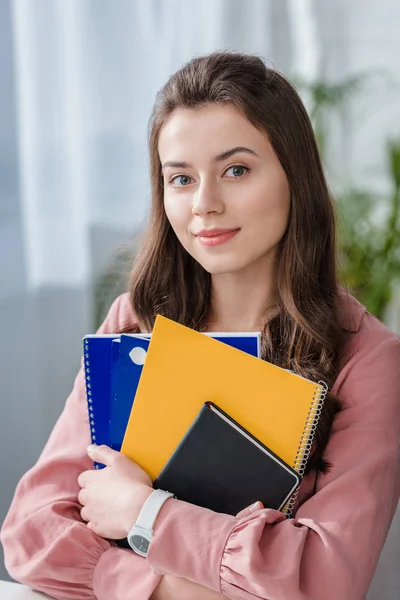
302	332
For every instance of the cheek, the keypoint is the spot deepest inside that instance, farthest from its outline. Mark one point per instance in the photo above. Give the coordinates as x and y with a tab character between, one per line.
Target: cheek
178	215
172	212
269	209
278	213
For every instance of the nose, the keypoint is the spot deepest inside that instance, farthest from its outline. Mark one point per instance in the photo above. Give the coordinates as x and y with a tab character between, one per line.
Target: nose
207	199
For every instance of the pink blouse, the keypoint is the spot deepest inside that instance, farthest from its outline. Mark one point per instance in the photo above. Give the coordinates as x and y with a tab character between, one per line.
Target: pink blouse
329	550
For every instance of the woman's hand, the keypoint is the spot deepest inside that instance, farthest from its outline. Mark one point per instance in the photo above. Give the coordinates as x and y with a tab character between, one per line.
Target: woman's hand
112	497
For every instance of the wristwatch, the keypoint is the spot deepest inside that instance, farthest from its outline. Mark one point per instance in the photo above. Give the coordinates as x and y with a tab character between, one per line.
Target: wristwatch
141	534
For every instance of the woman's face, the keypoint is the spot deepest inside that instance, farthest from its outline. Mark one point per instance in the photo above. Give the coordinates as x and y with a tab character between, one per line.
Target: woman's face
225	192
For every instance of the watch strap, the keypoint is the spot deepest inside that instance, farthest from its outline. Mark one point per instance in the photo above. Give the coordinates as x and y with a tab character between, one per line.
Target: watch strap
151	508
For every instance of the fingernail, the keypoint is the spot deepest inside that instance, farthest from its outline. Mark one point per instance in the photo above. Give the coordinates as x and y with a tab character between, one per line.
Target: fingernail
91	448
254	507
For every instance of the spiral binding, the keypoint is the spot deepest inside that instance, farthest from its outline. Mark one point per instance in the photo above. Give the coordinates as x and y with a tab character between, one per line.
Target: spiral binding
306	442
89	393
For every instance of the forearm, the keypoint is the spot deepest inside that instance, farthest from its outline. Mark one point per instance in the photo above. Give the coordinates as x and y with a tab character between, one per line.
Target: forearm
175	588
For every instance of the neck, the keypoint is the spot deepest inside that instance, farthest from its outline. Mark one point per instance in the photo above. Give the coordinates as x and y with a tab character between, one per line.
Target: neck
240	300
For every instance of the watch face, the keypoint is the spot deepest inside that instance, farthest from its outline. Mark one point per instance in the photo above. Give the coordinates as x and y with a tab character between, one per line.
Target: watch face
140	543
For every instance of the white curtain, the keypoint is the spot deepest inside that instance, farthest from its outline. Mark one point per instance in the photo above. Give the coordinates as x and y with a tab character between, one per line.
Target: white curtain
86	75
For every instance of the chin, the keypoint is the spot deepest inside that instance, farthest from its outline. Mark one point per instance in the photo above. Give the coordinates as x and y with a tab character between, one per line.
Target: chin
222	267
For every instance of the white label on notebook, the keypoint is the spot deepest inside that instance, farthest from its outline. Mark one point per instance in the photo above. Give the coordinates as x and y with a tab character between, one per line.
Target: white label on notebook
138	355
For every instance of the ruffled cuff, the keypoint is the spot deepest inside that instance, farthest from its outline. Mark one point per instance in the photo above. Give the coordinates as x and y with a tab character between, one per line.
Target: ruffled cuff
244	541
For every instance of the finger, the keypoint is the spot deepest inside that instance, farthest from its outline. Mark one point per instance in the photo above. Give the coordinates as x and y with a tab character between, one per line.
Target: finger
250	509
84	514
83	478
102	454
82	497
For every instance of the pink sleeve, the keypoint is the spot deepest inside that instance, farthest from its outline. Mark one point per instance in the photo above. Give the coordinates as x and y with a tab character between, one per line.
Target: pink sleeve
46	544
331	547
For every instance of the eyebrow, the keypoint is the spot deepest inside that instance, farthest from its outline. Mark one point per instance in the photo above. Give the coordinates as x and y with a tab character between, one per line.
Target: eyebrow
218	158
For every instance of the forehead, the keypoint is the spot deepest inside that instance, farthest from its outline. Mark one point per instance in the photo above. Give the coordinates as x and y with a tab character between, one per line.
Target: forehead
208	130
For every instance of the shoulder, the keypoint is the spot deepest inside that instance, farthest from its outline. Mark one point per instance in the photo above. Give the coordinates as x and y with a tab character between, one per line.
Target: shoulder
120	316
371	355
364	331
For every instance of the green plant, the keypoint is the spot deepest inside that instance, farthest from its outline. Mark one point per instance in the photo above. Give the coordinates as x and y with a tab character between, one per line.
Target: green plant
370	242
368	232
324	99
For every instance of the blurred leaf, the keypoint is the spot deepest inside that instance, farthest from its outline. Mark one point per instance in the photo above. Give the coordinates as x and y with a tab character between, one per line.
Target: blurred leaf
368	225
394	162
369	247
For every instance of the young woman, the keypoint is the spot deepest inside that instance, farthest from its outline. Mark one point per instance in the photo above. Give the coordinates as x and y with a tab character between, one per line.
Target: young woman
241	238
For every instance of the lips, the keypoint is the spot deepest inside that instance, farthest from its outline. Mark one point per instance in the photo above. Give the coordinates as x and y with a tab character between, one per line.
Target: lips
214	232
216	237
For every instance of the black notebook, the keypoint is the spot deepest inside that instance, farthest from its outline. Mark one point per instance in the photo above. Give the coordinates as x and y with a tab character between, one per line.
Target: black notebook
220	466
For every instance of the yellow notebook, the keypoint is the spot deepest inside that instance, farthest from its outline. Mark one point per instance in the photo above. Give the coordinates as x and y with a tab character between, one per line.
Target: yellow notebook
184	369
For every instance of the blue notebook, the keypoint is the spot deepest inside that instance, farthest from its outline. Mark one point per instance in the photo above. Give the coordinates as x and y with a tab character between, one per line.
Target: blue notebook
99	355
113	364
132	354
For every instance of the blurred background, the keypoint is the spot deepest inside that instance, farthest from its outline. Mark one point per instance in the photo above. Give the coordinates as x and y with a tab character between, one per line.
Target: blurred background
77	81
